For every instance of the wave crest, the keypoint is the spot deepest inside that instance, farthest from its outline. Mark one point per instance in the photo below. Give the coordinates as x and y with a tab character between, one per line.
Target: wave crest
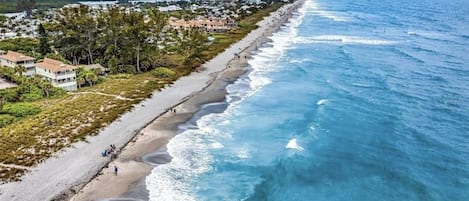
322	102
293	144
342	39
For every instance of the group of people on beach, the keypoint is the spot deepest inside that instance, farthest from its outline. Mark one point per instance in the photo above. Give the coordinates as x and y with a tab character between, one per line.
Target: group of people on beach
110	151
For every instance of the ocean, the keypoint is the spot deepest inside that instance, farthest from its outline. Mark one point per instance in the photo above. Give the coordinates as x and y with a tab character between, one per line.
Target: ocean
351	100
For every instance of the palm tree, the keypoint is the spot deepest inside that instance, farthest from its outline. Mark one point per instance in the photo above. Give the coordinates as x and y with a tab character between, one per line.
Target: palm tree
46	87
91	78
20	69
80	81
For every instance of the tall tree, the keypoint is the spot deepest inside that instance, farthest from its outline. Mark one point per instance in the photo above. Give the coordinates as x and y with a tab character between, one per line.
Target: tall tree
110	23
26	5
136	31
76	33
44	48
87	25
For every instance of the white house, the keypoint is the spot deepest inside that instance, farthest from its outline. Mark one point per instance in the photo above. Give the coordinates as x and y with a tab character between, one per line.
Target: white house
59	74
13	59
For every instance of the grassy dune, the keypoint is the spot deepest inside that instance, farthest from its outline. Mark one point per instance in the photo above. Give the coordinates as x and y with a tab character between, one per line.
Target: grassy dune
71	118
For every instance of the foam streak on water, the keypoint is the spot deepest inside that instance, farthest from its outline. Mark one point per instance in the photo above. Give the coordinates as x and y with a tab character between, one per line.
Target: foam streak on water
352	100
190	150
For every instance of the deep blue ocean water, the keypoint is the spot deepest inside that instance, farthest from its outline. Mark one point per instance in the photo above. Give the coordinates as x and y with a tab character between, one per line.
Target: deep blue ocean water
352	100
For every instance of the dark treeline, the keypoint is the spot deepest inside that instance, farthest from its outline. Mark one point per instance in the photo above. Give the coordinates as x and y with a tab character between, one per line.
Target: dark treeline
124	41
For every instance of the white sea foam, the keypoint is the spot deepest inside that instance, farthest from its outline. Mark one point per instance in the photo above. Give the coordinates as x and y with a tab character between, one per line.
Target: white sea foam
322	102
314	8
295	61
342	39
293	144
190	157
362	85
264	62
331	15
216	145
190	150
243	153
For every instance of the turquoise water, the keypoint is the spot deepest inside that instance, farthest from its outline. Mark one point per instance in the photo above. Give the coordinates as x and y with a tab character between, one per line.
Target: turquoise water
352	100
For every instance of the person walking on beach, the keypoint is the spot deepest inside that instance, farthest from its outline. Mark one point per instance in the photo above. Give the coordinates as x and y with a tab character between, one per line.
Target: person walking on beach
115	169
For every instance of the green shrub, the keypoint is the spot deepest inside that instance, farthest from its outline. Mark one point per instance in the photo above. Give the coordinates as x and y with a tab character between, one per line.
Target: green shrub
6	119
33	94
58	92
126	69
20	109
30	97
10	94
163	72
120	76
23	45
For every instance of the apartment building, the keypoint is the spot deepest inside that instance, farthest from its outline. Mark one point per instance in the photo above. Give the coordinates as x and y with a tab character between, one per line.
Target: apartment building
13	59
59	74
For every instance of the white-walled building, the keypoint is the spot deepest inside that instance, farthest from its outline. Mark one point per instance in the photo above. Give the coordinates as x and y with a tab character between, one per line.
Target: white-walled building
13	59
59	74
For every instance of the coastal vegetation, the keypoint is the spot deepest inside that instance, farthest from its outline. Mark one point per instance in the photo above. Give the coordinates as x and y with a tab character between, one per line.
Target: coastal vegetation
27	46
11	6
142	55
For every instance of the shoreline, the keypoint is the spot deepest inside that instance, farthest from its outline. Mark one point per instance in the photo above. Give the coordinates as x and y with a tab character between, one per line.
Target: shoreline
81	168
152	140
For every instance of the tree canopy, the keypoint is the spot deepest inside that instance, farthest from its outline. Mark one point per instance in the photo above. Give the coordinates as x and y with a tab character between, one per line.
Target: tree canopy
124	41
26	5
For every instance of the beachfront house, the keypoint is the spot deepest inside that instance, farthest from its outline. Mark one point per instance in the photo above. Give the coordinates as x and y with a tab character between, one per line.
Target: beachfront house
59	74
13	59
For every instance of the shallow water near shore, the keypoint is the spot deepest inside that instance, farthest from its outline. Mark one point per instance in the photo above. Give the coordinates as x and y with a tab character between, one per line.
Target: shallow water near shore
350	101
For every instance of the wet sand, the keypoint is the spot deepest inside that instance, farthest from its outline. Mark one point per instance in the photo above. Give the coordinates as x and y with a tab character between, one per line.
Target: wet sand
141	155
81	172
148	150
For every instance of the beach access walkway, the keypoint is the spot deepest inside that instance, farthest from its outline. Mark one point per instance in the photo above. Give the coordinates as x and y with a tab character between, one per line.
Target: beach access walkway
5	84
65	173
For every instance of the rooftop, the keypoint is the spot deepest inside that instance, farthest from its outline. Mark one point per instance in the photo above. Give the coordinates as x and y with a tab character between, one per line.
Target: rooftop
54	65
16	57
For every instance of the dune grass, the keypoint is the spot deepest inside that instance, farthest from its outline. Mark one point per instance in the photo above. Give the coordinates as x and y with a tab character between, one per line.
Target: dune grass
71	118
74	116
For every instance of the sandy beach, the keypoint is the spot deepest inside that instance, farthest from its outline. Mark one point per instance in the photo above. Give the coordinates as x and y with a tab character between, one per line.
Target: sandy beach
81	173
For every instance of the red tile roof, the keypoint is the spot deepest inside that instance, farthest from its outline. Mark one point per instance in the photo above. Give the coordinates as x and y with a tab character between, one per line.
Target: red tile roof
55	65
16	57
